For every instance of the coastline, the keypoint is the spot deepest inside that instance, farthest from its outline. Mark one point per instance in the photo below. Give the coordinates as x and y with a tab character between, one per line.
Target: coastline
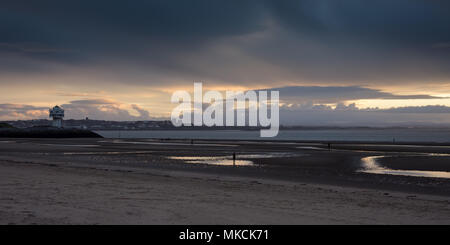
47	132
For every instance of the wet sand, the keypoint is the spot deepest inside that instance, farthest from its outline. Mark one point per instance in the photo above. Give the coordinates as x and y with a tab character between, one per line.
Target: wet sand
417	162
105	181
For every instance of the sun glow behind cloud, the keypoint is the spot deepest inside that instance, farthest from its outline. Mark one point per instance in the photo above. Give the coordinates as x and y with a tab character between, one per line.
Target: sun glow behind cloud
385	104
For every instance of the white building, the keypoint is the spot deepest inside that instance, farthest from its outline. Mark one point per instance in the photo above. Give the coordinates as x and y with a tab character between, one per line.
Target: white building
57	113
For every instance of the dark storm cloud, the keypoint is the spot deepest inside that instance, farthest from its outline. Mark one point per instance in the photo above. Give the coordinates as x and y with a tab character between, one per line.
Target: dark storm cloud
154	17
410	21
94	102
100	25
430	115
319	41
336	94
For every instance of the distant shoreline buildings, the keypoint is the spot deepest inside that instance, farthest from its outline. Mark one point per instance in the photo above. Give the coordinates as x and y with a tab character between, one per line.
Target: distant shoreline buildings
57	114
95	124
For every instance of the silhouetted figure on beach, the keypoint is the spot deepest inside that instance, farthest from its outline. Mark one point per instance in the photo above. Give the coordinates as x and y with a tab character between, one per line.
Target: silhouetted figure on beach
234	158
329	146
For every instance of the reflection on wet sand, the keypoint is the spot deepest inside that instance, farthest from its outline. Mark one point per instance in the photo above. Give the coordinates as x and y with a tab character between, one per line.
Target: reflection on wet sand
371	166
242	159
225	161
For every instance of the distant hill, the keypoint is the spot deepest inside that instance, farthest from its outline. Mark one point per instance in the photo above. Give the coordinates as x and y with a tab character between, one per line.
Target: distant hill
5	125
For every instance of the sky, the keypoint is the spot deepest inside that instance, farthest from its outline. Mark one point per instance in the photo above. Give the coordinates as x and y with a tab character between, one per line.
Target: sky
344	63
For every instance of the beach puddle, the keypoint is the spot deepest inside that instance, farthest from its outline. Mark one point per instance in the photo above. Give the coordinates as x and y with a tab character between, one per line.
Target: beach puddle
241	159
372	167
224	161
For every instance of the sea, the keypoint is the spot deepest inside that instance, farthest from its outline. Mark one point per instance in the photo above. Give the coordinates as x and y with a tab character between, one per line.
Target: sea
364	134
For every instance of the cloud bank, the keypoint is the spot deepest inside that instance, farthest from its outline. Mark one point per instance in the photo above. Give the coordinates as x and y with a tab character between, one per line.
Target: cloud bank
336	94
78	109
255	43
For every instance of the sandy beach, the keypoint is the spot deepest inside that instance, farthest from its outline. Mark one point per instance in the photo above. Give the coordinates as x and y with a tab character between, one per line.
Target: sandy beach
106	181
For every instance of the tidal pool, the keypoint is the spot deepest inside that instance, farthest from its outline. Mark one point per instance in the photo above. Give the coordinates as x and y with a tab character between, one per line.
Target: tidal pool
241	159
371	166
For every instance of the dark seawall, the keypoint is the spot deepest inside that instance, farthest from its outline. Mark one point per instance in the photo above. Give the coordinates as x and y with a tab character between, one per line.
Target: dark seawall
47	132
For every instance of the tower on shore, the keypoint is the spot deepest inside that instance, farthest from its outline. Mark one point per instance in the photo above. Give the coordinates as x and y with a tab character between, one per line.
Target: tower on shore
57	113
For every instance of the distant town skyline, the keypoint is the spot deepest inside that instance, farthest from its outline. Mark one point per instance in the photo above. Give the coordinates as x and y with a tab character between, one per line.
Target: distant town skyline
341	63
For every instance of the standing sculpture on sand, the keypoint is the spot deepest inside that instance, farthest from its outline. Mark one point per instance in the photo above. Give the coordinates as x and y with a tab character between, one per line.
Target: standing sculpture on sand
57	113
